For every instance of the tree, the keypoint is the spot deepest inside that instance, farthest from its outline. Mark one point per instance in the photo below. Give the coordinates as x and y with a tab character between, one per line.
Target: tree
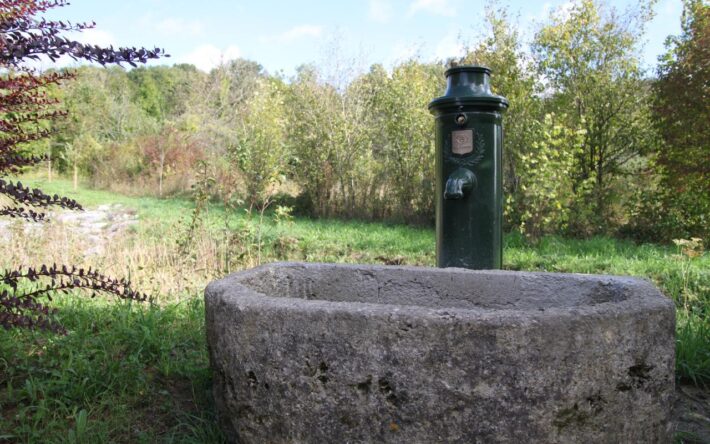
78	136
408	149
682	111
514	78
106	133
363	144
588	58
311	139
215	112
26	108
334	137
545	194
260	150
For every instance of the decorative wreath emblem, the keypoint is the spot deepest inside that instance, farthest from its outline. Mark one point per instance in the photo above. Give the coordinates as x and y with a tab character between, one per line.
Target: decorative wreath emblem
467	160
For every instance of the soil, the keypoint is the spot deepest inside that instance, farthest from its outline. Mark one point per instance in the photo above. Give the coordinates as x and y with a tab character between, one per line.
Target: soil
692	412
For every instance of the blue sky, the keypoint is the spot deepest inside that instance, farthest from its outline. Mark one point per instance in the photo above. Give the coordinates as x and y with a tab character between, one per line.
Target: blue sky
281	35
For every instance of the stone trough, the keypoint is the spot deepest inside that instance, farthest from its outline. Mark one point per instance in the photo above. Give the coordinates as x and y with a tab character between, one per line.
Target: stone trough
327	353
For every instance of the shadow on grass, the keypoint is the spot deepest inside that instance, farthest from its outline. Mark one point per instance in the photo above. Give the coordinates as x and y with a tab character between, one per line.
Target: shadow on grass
123	373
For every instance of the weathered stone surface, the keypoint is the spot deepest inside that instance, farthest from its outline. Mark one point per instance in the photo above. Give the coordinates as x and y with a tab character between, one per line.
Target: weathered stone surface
337	353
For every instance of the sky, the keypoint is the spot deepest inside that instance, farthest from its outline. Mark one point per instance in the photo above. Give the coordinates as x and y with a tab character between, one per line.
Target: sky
282	35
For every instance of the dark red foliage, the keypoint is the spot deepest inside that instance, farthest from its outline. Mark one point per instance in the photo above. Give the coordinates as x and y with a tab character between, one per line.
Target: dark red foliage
35	197
26	310
25	109
25	37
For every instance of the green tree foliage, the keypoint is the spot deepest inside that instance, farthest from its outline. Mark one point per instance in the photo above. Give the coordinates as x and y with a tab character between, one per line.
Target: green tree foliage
260	150
589	60
163	92
515	79
129	126
407	152
367	173
311	139
91	121
682	111
215	112
366	151
546	194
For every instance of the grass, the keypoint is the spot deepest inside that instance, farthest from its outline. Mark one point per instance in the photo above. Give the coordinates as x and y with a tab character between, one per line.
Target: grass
129	373
122	374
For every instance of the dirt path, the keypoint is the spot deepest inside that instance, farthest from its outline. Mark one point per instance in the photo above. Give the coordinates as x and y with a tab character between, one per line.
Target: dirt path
95	225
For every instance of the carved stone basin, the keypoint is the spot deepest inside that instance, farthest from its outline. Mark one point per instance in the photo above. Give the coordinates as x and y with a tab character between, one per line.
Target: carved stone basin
329	353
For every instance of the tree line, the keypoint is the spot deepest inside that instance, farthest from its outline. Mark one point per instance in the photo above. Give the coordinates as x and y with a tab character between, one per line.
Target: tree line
594	144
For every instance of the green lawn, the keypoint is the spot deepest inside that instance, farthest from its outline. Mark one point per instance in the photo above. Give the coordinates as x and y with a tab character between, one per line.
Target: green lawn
130	373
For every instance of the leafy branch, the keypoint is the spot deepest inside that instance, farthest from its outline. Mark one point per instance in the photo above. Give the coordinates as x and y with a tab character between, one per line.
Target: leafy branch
20	309
25	108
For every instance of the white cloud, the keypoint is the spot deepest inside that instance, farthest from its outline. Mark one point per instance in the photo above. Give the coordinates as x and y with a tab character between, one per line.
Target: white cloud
670	8
206	57
564	11
403	51
380	11
532	21
436	7
542	14
295	33
172	25
449	46
95	36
